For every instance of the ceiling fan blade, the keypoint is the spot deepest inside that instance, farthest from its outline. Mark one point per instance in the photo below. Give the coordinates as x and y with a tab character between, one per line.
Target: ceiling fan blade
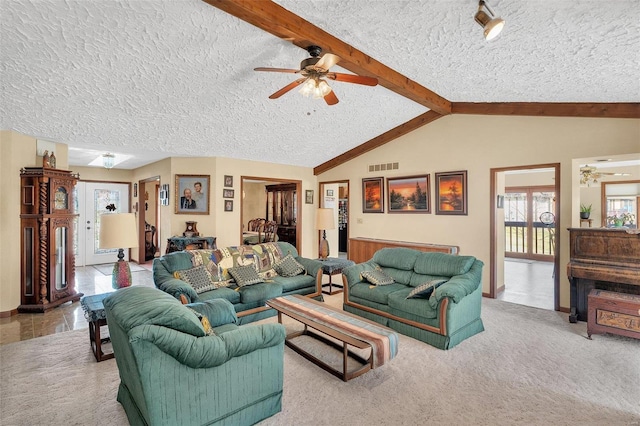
331	98
286	88
327	61
352	78
276	70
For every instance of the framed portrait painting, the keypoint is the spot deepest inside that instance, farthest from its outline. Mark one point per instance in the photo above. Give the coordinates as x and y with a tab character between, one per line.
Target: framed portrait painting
308	196
228	205
228	181
373	195
192	194
228	193
451	193
408	194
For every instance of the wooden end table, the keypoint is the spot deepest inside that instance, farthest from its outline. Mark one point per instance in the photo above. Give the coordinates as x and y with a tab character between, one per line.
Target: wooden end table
333	266
97	318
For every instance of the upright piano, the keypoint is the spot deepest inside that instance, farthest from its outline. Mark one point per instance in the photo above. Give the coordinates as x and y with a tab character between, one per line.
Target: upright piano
604	259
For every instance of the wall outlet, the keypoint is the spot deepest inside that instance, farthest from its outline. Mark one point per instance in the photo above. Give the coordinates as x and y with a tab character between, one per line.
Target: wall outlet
359	221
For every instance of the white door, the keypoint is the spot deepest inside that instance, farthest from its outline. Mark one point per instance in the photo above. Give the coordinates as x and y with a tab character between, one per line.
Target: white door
93	199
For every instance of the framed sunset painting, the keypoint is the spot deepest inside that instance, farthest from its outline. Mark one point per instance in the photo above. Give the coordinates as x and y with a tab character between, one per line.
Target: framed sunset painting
372	195
451	193
408	194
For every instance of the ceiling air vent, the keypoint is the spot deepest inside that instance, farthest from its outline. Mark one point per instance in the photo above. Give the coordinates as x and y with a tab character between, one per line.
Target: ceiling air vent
382	167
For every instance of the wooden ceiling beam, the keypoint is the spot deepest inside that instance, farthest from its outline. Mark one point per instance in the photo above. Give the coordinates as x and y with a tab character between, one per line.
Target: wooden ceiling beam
378	141
543	109
274	19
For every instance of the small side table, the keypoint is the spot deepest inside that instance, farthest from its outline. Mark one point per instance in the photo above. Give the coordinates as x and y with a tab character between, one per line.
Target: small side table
97	317
332	266
586	221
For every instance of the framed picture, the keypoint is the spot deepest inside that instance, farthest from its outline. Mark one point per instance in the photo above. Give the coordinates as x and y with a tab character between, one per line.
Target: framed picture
373	195
330	192
228	181
228	205
451	193
192	194
308	196
227	193
408	194
164	194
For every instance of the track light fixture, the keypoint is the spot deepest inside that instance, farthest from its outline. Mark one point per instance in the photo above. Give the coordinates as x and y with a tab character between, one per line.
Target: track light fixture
487	20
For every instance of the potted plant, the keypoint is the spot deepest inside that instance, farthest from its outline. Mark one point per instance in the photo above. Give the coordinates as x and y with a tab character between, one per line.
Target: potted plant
585	211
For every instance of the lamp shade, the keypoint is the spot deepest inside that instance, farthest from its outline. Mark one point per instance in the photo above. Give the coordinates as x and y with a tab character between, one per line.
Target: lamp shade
325	219
118	230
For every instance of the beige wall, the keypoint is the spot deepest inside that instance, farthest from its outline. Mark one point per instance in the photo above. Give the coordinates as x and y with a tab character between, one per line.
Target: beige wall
228	223
254	200
472	143
477	144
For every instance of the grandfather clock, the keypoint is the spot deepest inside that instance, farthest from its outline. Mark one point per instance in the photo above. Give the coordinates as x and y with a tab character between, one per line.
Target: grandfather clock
47	231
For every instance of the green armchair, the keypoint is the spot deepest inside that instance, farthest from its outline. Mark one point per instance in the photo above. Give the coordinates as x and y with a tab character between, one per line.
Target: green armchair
173	373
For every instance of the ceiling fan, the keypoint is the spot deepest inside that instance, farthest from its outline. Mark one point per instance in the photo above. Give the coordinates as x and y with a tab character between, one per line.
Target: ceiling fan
589	174
315	71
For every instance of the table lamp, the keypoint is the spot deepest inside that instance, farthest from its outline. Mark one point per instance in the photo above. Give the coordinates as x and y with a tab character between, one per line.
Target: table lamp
324	221
118	230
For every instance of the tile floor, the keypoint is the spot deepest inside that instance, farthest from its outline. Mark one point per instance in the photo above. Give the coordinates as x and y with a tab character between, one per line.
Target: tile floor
528	282
69	316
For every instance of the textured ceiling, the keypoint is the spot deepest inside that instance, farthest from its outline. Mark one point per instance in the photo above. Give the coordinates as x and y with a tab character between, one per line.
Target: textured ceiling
154	79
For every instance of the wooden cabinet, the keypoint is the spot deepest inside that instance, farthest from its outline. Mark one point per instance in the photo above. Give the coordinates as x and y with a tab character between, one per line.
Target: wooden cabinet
47	225
363	249
611	312
282	204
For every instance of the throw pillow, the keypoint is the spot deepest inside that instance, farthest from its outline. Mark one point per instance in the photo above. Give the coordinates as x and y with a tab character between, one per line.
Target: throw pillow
205	322
377	277
245	275
288	266
424	291
198	278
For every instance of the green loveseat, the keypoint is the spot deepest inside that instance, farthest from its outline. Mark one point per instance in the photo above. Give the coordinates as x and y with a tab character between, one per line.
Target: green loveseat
450	314
173	373
249	302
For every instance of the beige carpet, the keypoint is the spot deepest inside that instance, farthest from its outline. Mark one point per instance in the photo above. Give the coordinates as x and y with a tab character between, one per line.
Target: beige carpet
530	367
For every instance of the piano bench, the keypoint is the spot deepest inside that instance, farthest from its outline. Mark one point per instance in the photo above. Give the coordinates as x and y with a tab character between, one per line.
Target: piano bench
613	312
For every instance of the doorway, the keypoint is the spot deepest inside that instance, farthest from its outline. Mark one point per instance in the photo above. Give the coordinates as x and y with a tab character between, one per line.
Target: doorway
523	236
148	218
272	199
93	199
335	195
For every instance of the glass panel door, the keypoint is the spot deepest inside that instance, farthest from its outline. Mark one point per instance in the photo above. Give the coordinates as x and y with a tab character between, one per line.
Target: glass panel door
97	197
525	234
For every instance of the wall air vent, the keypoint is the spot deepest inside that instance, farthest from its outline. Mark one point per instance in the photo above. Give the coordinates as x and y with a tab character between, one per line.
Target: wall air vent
382	167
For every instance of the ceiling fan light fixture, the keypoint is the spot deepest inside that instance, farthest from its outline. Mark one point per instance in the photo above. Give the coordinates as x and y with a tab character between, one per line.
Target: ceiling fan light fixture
308	87
487	20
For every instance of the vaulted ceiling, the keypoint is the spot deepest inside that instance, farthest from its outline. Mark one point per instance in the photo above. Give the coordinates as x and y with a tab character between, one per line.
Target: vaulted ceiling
159	78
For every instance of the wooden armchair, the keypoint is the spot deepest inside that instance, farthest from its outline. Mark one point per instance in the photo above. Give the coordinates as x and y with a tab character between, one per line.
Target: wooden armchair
254	225
268	233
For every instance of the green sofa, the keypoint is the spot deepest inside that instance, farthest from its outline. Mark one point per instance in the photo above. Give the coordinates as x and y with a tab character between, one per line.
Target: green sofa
448	316
173	373
249	302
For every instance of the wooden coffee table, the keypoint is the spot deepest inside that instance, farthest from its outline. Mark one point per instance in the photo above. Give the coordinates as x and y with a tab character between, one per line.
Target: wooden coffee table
346	328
